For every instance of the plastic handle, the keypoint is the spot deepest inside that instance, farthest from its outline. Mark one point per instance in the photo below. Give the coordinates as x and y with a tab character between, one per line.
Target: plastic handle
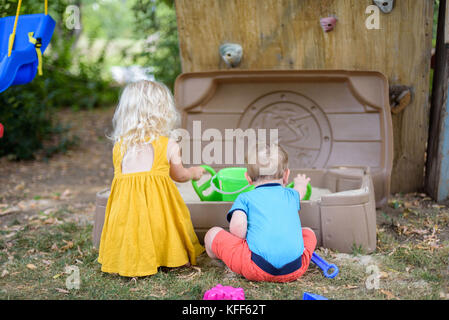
200	189
214	187
325	266
308	192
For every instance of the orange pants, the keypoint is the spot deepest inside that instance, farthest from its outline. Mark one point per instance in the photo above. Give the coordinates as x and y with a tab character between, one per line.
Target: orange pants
235	253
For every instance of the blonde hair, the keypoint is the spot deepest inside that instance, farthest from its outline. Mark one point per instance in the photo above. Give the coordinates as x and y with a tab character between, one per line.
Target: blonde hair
266	162
145	112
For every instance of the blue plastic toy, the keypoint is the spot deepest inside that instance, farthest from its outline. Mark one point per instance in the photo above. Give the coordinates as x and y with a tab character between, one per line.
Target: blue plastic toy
312	296
325	266
21	47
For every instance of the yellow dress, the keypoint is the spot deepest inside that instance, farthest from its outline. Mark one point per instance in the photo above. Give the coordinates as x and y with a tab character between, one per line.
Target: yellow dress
147	224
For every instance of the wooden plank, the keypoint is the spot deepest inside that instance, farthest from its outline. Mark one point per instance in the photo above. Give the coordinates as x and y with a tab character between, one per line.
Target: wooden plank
286	34
437	169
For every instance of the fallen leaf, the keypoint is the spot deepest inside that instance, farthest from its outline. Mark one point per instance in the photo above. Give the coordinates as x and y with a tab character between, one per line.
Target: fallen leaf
66	194
9	211
47	262
50	221
408	204
31	266
322	289
197	269
20	186
256	286
4	273
388	294
350	287
419	231
69	245
444	295
423	195
61	290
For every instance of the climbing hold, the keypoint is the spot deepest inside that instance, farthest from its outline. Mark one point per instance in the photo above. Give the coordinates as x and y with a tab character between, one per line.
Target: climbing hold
385	5
400	98
231	53
328	24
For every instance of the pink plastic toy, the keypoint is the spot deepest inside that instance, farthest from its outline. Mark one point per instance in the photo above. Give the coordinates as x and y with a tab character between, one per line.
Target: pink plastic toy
224	293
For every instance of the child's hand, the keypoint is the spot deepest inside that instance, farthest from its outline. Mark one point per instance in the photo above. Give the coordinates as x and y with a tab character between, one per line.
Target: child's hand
197	173
301	182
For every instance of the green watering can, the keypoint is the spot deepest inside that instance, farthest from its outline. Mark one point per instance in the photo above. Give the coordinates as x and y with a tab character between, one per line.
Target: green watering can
228	183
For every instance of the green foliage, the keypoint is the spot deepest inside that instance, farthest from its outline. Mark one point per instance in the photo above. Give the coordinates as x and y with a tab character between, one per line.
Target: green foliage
435	20
156	20
26	120
108	19
76	81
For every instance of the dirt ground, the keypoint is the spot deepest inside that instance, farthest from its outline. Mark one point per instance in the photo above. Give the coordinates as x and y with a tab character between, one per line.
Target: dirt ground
68	180
38	198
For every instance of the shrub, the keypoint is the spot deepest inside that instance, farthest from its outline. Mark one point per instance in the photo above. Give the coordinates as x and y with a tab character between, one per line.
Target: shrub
158	18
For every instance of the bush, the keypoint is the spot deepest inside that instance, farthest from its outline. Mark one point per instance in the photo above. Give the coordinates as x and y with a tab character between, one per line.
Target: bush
26	119
158	18
75	82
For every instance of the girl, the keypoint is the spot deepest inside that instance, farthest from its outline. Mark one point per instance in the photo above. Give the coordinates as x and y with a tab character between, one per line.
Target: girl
147	223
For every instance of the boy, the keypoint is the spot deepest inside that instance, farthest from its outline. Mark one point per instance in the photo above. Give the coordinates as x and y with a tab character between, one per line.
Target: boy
266	241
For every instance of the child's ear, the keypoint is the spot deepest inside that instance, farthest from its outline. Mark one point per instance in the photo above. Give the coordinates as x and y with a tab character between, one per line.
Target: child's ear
285	176
248	178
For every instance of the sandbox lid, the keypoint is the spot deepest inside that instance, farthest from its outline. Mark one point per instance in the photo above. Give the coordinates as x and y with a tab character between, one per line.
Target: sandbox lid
324	118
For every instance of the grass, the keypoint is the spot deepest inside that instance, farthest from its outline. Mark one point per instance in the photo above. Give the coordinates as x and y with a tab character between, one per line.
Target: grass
34	256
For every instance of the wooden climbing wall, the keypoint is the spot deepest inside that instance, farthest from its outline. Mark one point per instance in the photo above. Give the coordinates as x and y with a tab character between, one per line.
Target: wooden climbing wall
286	34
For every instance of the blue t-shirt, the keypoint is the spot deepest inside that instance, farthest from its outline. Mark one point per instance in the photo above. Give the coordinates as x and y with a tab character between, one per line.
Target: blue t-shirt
274	233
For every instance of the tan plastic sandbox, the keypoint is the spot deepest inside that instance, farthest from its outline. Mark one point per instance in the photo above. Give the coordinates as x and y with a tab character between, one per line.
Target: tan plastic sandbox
341	220
335	125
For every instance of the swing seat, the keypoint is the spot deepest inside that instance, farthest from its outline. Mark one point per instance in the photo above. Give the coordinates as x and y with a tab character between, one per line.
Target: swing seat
21	66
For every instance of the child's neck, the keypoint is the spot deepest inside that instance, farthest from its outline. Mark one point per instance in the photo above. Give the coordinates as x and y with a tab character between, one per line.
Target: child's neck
265	181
